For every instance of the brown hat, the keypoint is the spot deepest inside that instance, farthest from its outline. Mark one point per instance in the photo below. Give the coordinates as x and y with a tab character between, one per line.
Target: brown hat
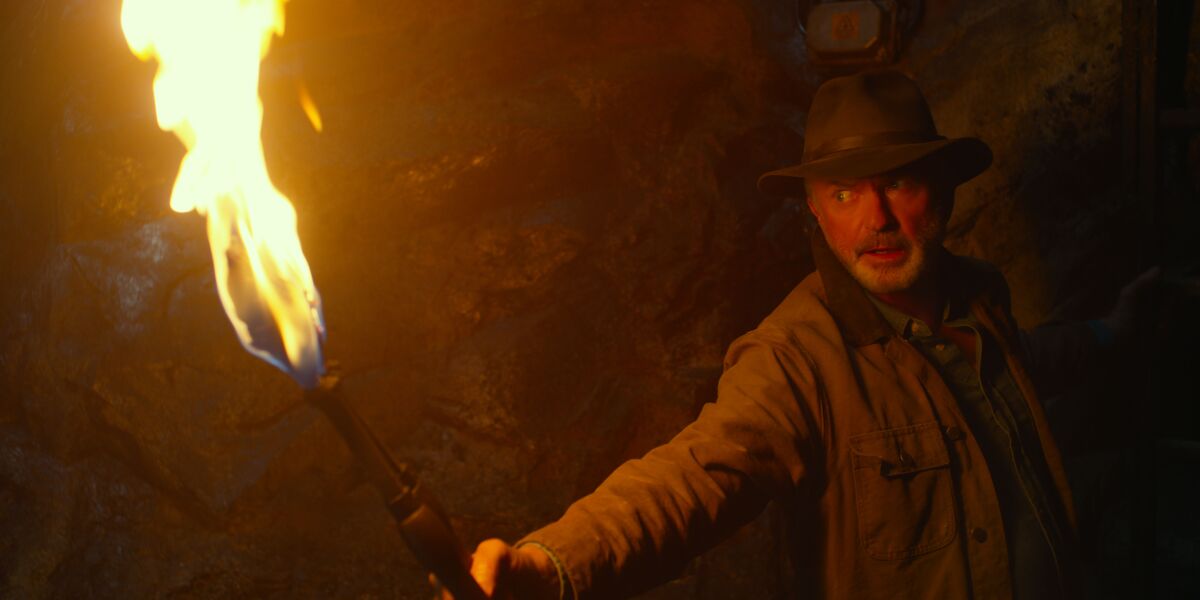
871	123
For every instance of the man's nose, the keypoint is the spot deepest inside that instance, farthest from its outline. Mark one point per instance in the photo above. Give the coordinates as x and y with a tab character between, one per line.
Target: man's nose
877	213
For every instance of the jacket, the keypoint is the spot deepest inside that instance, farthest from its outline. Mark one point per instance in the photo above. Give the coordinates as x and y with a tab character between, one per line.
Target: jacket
824	408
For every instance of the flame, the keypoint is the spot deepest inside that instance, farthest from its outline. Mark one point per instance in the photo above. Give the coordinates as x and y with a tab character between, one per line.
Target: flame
206	93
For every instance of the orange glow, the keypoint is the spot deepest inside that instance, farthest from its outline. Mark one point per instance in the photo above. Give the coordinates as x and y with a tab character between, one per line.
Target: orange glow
206	93
310	107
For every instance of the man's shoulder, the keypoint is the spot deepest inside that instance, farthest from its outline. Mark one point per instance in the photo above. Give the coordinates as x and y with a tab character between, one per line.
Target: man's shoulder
807	298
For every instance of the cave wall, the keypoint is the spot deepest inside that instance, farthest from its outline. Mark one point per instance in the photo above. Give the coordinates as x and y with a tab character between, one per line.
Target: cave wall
535	229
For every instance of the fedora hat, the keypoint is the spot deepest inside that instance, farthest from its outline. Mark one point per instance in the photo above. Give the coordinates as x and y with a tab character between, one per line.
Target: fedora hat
871	123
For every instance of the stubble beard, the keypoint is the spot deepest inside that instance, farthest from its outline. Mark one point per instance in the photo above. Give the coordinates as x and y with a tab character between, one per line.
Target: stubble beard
891	279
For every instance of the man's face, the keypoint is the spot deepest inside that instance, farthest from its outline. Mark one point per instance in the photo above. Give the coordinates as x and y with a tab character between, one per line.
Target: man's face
885	229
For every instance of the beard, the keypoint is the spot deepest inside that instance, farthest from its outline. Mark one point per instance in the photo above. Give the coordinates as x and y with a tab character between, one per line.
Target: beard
919	253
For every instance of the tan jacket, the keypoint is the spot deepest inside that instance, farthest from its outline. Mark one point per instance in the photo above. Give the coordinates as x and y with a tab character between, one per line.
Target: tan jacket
825	408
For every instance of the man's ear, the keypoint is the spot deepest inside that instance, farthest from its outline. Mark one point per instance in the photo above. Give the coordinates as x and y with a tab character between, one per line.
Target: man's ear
812	209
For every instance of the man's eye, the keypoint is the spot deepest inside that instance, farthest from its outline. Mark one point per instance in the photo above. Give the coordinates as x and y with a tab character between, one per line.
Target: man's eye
842	195
896	188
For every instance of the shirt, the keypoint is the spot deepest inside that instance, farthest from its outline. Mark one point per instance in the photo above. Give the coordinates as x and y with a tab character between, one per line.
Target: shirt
996	413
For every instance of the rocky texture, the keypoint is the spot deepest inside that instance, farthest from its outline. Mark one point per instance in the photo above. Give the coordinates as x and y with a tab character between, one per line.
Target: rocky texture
535	228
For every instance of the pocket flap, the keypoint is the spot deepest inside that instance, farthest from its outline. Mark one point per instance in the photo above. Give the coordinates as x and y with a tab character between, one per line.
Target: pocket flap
901	451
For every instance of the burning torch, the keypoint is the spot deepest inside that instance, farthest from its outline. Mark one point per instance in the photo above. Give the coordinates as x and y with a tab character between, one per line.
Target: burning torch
206	93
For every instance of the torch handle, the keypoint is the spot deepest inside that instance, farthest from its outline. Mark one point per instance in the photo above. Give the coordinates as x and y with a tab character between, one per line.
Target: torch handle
422	524
429	536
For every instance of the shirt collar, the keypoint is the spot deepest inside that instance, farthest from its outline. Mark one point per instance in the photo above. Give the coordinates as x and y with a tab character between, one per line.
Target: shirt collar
905	325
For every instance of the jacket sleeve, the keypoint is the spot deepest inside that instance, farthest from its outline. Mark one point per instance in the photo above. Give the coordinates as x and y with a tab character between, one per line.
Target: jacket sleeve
652	515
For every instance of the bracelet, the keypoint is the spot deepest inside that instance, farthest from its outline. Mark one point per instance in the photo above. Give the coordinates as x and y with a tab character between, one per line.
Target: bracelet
558	567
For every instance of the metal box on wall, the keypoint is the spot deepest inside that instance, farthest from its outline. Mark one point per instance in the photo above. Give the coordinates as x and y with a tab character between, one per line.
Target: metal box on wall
853	33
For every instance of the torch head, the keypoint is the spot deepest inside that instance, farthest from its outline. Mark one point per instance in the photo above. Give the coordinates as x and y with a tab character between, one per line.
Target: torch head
206	93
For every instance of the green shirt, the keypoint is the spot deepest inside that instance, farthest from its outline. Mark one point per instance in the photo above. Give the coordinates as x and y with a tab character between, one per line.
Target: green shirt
999	419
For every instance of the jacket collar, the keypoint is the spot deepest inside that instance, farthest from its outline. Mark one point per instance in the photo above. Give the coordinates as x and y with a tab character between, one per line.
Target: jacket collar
857	317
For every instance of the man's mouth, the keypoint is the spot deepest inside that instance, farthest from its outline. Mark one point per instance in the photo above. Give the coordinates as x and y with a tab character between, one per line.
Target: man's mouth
884	254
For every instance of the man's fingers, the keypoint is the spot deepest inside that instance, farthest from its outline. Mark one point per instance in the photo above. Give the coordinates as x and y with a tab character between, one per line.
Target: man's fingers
484	573
490	559
507	573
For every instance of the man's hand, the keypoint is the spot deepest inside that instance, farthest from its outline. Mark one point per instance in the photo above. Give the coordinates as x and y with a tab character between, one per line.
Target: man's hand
507	573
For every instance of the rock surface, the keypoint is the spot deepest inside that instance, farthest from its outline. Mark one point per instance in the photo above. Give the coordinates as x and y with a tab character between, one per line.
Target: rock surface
535	229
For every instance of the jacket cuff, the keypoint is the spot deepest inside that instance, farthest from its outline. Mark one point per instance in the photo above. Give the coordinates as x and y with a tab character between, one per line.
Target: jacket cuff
566	591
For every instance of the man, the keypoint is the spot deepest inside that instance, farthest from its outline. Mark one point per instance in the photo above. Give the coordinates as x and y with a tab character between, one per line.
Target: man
889	399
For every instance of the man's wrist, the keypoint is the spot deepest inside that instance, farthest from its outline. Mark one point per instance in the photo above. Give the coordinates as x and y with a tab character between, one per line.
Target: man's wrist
552	577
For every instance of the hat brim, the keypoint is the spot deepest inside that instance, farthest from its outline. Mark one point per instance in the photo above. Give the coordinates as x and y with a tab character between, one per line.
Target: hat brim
963	159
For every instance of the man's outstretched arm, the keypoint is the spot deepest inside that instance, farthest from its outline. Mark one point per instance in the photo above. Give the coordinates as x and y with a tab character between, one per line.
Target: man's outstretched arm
654	514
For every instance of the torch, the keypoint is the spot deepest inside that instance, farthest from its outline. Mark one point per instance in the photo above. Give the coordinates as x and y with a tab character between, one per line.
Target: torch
206	93
422	523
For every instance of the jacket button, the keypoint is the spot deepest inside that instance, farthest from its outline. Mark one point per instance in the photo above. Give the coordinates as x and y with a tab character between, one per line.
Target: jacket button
979	534
954	433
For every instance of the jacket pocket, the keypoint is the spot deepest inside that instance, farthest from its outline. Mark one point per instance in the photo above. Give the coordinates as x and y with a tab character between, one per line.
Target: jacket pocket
903	491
